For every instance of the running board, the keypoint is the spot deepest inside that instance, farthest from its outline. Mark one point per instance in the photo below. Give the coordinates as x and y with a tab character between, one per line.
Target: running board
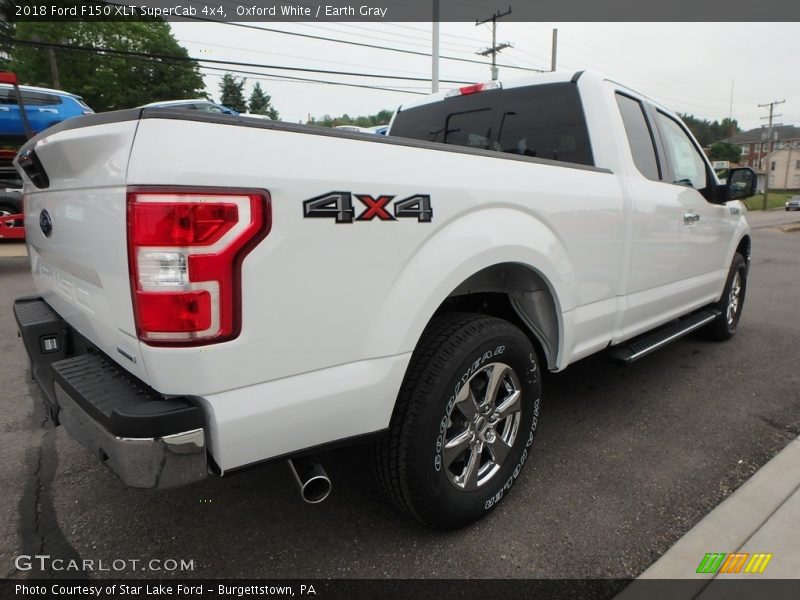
650	342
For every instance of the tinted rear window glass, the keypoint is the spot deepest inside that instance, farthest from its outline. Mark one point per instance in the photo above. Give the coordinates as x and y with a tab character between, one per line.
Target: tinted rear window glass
543	121
34	98
7	96
639	136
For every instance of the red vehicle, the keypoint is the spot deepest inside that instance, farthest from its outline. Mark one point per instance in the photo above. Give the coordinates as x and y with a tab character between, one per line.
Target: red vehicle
11	218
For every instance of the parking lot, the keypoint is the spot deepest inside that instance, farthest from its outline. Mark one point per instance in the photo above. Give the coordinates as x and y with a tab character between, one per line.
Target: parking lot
627	459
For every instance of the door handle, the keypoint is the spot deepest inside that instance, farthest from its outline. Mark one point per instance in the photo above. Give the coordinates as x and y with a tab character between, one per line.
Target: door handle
690	218
5	109
49	110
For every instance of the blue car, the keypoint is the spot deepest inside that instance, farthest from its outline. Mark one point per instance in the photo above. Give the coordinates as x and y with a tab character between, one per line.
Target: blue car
200	104
44	107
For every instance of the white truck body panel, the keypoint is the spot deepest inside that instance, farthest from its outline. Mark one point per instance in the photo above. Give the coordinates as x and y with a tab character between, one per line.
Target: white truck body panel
81	270
331	312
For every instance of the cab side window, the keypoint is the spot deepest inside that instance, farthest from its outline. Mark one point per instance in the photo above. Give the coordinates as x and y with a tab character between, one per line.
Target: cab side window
688	166
640	138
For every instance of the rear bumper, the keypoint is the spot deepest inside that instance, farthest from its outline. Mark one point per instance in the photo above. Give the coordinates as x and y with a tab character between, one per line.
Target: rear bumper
147	440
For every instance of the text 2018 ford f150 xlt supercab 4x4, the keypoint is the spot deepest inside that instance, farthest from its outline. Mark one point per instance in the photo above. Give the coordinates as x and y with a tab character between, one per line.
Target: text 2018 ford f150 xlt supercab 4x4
215	291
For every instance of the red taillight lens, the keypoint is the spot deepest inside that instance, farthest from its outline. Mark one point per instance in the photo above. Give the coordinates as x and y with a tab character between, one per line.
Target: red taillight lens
471	89
185	249
174	311
161	224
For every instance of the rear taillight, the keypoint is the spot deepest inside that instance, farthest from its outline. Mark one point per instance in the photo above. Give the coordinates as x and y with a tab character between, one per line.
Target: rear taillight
185	248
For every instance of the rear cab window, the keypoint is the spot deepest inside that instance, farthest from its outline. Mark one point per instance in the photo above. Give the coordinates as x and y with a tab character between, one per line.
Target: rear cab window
539	121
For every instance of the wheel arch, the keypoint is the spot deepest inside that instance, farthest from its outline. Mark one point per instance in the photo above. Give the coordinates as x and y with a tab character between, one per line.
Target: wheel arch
518	293
499	251
744	247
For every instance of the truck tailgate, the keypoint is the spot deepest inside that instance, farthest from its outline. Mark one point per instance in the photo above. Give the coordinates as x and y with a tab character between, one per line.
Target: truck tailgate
75	226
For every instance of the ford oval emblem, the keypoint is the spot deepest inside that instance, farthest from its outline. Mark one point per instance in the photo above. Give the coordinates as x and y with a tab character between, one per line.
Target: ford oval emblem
45	223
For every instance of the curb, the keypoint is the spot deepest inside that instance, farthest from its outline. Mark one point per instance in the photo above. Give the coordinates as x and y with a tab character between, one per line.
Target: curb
752	519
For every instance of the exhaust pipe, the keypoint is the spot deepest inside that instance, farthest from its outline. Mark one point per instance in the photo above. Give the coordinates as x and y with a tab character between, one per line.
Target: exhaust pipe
311	478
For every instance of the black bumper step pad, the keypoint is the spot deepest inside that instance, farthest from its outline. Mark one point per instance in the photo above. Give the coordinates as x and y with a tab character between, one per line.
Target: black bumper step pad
122	404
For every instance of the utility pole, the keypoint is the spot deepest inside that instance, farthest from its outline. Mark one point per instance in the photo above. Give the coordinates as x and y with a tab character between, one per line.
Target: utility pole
772	106
554	50
54	69
495	49
730	108
51	53
435	49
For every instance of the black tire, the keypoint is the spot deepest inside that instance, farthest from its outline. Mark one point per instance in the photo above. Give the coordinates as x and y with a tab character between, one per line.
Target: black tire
724	326
410	462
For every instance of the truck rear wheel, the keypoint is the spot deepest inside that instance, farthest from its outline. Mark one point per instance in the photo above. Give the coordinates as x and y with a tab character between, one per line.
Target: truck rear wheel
731	304
464	421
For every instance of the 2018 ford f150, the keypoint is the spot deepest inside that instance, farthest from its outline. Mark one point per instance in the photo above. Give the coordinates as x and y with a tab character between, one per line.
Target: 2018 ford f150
215	291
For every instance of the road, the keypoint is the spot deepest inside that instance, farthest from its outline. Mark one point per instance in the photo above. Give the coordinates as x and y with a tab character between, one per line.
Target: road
627	459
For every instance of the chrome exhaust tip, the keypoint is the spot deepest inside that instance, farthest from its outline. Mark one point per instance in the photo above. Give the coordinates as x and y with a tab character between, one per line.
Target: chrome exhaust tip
311	478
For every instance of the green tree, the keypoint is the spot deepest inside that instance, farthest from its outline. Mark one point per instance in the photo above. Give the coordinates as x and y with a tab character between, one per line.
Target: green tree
708	132
109	81
380	118
261	103
6	34
724	151
232	92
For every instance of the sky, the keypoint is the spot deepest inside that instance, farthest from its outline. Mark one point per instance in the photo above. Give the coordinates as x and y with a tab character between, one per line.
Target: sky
689	67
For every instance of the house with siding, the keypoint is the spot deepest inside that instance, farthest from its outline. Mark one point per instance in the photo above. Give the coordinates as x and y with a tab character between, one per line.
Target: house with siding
756	147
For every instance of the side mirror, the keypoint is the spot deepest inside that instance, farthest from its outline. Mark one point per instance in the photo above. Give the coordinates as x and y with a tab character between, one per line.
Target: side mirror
741	182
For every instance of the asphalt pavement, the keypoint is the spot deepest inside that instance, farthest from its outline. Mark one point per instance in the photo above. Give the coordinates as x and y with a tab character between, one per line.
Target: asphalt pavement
626	461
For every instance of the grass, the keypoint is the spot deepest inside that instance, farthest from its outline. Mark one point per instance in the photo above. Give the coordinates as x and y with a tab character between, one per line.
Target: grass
775	200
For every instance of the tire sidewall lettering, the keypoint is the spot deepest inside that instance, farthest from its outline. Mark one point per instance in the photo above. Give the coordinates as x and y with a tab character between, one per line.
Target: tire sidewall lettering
529	375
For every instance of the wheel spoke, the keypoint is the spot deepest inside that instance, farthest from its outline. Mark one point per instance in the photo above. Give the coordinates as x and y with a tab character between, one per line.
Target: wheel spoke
509	406
494	383
469	477
455	447
466	402
499	449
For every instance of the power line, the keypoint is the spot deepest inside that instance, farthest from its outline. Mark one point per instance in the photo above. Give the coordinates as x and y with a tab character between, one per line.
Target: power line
275	76
215	61
366	45
349	42
255	50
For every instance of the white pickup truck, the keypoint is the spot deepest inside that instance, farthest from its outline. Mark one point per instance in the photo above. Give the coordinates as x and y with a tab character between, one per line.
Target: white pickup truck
215	291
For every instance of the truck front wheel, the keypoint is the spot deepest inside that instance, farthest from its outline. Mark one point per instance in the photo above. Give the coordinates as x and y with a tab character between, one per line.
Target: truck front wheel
732	301
464	421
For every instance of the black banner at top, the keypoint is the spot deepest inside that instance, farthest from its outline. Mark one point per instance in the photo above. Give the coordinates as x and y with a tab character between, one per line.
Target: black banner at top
403	10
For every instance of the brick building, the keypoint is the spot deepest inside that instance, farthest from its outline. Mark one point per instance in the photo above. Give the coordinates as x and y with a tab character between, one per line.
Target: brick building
755	145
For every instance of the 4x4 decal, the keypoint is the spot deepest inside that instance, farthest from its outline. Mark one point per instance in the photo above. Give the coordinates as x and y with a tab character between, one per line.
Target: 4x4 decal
339	206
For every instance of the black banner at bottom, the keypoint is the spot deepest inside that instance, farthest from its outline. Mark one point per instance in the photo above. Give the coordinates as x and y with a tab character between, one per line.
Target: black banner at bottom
390	589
